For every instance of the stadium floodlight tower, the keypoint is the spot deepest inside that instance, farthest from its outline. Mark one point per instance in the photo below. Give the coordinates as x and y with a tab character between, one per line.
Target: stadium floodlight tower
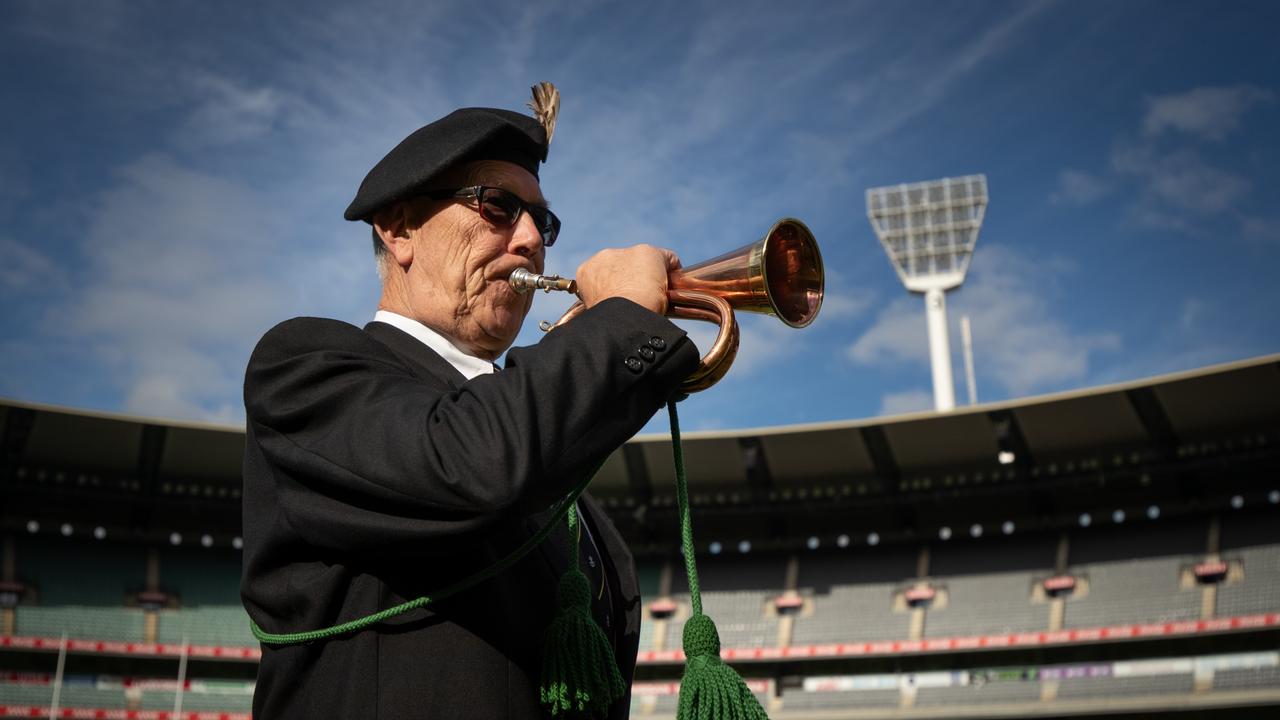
929	230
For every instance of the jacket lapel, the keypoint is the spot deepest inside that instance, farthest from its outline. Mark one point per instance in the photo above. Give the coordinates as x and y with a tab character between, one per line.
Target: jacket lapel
420	359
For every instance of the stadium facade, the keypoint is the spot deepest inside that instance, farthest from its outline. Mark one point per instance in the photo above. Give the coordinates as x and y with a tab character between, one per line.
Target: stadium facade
1102	553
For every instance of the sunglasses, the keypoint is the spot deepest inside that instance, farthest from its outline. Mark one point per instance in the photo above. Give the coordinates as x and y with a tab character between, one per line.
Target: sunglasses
503	207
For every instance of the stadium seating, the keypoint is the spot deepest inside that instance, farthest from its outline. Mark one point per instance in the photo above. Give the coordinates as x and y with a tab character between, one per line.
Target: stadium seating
1119	686
739	617
1260	589
736	594
1133	591
228	626
199	701
1017	691
81	622
80	695
852	597
25	694
986	605
1242	679
852	614
801	700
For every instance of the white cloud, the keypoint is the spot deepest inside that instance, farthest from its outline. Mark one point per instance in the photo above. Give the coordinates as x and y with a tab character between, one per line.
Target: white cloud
228	112
1193	310
27	269
1260	228
1020	344
898	336
1077	188
844	303
1180	180
1209	112
185	270
908	401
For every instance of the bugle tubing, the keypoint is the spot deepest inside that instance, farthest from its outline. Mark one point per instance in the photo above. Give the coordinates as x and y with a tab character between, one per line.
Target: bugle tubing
779	274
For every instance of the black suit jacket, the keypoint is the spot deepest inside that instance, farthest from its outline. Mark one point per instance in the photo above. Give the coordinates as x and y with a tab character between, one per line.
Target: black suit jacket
375	474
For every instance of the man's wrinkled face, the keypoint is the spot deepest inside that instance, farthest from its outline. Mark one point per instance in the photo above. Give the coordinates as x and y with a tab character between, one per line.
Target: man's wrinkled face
458	278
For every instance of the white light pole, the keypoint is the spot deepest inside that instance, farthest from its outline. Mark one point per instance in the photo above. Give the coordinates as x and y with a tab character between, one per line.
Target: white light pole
928	229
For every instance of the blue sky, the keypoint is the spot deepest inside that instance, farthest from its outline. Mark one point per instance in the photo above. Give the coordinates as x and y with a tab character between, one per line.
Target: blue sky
173	175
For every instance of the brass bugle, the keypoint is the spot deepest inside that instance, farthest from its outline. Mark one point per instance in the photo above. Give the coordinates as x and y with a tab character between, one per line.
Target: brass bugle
779	274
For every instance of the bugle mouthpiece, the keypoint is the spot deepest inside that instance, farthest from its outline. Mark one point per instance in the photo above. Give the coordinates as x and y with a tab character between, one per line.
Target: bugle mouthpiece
522	281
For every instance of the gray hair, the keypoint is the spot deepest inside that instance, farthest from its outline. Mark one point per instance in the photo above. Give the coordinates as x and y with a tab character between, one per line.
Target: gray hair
380	254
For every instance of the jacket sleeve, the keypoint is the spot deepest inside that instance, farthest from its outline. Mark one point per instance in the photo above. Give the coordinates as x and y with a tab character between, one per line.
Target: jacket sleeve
364	453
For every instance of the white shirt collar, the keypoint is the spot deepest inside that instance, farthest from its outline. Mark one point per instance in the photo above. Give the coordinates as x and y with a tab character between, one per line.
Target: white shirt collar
470	366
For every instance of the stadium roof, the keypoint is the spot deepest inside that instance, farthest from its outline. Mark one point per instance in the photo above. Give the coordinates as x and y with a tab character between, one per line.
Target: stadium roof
1161	412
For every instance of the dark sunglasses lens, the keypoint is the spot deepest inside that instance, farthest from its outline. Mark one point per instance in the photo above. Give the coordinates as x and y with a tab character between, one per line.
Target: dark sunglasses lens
499	206
547	223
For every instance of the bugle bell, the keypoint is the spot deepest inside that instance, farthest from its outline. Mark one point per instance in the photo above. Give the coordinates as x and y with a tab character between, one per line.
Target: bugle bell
779	274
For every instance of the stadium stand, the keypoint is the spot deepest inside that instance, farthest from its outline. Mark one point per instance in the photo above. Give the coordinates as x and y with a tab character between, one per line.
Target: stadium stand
1138	629
1254	542
1180	684
1247	678
1022	691
1135	577
104	575
225	626
98	623
736	592
802	700
853	596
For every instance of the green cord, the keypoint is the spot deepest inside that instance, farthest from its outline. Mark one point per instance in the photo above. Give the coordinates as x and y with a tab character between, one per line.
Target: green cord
682	503
565	506
709	689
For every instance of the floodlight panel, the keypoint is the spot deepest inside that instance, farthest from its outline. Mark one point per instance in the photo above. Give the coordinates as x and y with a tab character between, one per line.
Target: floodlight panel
929	229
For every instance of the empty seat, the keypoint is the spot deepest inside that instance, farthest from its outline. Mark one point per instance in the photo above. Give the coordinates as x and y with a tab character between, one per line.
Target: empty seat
1113	686
993	604
226	626
79	622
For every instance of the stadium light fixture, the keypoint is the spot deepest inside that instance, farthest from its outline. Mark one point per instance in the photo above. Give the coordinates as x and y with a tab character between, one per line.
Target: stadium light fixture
206	541
1086	519
1117	517
873	539
975	530
1237	502
715	547
744	547
813	542
1005	457
842	541
66	530
1274	497
1153	512
929	229
33	527
237	543
175	539
944	533
100	533
1008	527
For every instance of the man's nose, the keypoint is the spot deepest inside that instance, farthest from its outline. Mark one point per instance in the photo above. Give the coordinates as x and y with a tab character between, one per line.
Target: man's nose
526	241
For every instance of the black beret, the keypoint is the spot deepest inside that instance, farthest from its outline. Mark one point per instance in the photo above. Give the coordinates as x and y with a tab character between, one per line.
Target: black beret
459	137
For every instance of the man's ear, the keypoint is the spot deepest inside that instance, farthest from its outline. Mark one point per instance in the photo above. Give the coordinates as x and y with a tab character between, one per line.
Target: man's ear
392	226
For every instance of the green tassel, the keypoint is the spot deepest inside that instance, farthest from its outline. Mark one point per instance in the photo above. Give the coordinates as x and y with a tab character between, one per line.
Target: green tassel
710	689
579	672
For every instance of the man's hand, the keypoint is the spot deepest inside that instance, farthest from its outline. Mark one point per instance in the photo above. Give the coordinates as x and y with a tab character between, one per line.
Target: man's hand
638	273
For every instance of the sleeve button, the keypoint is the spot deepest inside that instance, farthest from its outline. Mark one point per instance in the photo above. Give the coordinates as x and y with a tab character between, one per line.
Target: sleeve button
633	364
646	353
657	343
